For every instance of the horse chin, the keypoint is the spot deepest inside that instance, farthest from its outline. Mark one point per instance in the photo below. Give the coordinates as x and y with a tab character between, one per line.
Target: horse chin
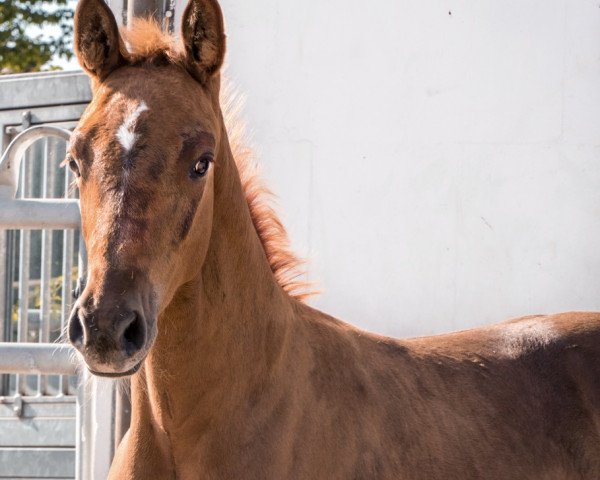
125	373
116	374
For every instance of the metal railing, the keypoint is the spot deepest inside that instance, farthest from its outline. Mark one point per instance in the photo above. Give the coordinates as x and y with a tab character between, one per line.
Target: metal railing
36	252
37	367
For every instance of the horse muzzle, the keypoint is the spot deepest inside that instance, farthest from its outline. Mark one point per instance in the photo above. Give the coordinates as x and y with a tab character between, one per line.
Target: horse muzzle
115	333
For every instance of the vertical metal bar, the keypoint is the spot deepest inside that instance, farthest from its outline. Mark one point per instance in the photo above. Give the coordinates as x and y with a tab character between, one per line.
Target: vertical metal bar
9	298
83	434
146	8
178	9
122	410
7	292
169	21
11	236
4	275
102	414
67	287
46	270
82	257
95	426
67	280
119	10
24	252
78	431
5	313
124	6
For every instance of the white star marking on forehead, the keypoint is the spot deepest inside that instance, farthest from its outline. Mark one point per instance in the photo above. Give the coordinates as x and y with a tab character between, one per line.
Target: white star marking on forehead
126	134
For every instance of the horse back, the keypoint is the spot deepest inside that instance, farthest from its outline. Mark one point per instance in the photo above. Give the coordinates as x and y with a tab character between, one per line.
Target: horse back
522	396
520	399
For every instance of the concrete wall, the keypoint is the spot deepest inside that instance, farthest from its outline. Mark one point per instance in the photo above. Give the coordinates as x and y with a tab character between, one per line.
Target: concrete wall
437	162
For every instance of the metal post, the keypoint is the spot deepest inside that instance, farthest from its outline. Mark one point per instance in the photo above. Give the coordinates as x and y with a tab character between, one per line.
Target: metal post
46	260
122	410
119	9
4	274
67	281
24	252
146	9
95	426
7	294
83	434
171	23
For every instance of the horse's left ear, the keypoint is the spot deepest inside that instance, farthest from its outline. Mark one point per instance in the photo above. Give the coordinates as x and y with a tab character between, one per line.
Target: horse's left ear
203	35
98	45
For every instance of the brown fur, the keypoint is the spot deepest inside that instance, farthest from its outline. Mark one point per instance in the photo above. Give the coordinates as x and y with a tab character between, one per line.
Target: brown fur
146	43
238	379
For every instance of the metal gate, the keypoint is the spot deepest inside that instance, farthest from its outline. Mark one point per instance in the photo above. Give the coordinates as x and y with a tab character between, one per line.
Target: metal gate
55	420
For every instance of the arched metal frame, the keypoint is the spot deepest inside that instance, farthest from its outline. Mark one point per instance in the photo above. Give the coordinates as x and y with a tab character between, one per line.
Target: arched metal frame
32	213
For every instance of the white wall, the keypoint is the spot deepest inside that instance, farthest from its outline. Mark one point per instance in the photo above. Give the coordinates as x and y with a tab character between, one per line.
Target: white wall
437	162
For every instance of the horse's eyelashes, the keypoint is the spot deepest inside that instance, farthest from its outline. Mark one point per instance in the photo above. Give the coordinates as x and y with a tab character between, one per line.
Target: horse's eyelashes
73	165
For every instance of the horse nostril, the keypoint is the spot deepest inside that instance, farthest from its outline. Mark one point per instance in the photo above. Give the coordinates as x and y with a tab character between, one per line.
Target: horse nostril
134	335
75	329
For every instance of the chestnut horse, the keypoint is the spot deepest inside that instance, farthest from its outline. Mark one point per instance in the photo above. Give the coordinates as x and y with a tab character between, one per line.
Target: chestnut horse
191	291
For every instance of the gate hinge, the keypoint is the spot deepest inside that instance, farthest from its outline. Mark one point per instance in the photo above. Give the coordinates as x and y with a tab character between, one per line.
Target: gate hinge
25	124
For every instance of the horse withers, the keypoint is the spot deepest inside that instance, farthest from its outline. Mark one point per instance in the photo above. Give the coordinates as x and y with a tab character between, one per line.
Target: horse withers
191	290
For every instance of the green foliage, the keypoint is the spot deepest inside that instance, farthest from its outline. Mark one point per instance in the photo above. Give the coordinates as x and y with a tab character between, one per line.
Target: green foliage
25	45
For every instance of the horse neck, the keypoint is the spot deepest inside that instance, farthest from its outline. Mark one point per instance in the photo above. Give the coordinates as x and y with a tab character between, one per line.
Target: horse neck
224	334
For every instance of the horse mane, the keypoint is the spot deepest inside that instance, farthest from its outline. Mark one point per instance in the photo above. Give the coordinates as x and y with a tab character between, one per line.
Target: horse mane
145	41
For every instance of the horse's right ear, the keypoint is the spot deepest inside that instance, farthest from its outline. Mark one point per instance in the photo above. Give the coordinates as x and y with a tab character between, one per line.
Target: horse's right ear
98	45
203	34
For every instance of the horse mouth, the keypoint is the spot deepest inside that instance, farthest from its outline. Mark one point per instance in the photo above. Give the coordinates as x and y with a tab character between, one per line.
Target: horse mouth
127	373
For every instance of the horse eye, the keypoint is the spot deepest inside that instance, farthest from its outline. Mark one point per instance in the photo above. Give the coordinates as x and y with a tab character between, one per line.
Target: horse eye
201	166
73	165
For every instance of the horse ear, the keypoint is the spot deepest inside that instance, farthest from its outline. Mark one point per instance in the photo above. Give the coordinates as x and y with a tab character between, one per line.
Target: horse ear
203	35
98	45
